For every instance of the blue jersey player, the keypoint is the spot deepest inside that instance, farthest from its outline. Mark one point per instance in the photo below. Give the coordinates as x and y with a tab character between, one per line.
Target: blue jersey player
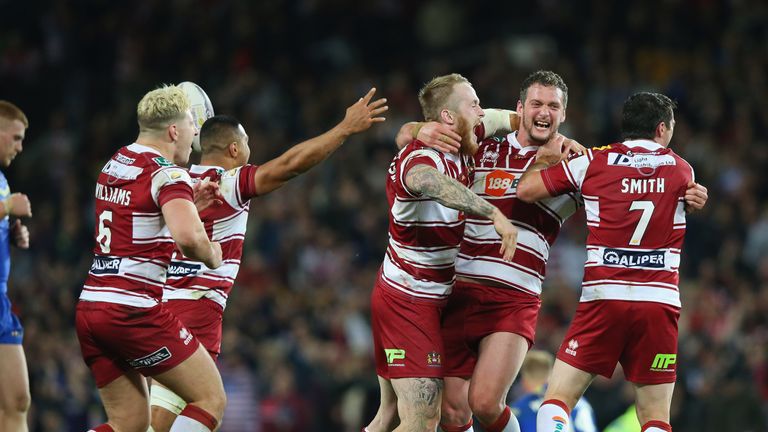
14	390
533	374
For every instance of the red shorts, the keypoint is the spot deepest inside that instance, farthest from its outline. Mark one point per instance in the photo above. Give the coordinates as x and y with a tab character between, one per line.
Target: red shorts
203	318
475	311
642	336
406	334
115	338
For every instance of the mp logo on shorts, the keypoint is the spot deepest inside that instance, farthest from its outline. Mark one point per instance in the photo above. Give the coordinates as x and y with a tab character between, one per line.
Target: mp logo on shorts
153	359
433	359
393	355
662	362
572	347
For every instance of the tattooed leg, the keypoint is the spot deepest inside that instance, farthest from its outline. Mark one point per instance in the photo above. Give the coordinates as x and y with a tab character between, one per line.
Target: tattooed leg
418	403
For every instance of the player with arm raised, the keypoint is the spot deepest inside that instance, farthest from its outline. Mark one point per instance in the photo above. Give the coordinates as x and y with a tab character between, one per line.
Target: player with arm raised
196	294
144	209
14	390
428	199
634	194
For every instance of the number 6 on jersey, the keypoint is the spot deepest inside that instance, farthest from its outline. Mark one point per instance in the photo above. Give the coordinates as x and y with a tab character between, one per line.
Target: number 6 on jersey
105	234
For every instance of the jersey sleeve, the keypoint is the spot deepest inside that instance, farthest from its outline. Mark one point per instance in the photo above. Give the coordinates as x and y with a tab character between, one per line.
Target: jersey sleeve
246	183
567	176
424	156
171	183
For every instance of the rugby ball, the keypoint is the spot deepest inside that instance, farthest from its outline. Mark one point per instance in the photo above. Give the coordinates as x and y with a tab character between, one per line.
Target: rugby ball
200	105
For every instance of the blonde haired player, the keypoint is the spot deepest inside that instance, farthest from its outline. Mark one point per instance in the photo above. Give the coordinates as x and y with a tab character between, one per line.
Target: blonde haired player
14	390
145	207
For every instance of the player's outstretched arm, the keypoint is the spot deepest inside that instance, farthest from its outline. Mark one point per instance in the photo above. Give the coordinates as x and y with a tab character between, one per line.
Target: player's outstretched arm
189	234
429	182
301	157
436	135
531	187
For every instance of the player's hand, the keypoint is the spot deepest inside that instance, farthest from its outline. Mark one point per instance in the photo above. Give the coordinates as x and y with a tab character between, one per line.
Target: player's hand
508	234
20	235
552	152
514	121
214	260
572	147
695	197
207	193
439	136
18	205
364	113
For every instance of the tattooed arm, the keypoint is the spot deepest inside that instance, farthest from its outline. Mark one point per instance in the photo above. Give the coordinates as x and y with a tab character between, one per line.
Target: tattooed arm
429	182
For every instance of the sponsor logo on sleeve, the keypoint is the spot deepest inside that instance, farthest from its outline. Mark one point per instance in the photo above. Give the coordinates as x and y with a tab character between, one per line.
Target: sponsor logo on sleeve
153	359
163	162
124	159
105	265
629	258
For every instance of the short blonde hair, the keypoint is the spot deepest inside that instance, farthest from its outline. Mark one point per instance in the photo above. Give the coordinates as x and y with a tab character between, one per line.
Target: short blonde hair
537	364
435	95
161	107
10	111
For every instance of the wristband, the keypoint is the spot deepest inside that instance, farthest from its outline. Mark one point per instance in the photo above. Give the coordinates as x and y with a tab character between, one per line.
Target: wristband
7	206
415	132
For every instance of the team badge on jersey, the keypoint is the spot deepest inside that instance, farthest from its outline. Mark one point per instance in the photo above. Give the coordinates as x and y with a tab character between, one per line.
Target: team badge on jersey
489	156
498	182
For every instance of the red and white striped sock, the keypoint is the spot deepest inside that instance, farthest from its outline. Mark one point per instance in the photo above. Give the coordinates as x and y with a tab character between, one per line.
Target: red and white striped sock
194	419
656	426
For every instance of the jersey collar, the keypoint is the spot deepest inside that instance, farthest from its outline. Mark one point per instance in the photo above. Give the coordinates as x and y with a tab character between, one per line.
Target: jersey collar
199	169
512	138
646	144
139	148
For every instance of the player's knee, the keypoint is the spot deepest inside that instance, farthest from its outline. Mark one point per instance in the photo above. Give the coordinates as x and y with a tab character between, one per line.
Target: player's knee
454	412
18	404
485	406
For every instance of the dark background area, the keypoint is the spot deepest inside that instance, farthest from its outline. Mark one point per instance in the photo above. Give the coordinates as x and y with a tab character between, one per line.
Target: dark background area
297	354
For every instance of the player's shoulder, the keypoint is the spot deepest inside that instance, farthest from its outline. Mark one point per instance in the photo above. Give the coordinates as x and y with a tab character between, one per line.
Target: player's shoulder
212	173
417	148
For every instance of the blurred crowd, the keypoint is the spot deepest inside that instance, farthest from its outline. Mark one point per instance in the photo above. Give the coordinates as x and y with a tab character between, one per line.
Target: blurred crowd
297	354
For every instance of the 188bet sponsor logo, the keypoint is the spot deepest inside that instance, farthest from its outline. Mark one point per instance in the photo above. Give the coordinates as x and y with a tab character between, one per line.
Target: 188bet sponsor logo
498	182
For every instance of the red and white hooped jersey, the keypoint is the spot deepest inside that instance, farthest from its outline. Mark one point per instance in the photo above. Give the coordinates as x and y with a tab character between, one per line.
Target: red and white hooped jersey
634	198
499	164
226	224
424	235
133	244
